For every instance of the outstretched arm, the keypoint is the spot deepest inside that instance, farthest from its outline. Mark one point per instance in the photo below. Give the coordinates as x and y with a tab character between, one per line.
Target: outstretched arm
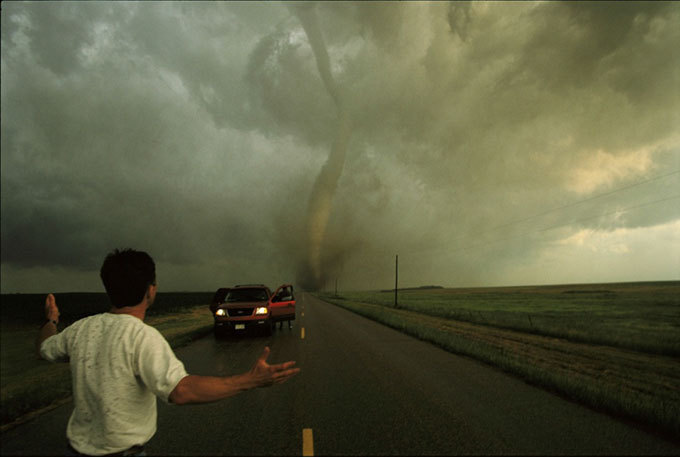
49	328
203	389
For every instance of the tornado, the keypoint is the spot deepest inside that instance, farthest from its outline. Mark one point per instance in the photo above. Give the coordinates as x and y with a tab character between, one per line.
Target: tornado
323	191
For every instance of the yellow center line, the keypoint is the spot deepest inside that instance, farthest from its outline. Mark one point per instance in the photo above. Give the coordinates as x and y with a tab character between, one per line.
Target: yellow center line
307	442
302	334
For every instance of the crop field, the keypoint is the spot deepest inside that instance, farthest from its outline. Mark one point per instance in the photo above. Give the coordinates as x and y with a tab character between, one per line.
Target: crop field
638	316
29	308
614	347
28	383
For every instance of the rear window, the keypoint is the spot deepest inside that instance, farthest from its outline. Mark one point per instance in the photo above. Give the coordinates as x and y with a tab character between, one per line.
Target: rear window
255	294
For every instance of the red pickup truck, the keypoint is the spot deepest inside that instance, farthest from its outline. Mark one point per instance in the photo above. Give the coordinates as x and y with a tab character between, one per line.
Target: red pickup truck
247	306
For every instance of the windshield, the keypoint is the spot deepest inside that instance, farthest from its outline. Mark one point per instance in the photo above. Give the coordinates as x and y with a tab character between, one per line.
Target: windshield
236	295
220	295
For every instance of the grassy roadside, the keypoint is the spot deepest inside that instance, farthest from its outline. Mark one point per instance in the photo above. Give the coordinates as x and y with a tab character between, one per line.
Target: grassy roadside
636	385
643	317
30	386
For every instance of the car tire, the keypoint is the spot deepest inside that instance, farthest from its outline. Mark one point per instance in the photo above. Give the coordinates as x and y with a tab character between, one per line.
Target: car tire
217	332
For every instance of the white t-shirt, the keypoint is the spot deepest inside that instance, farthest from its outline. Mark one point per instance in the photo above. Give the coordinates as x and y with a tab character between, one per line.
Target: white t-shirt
119	365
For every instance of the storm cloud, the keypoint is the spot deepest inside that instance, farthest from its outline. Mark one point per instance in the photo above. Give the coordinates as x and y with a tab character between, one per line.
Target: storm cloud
486	143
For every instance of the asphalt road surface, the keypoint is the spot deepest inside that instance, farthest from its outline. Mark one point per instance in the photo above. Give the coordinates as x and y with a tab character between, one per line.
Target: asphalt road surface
364	389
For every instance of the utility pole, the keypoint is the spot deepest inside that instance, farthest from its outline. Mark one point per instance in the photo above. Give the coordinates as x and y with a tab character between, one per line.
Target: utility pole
396	280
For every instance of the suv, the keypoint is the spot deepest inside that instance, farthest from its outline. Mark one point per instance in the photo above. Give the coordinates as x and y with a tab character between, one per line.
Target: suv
242	307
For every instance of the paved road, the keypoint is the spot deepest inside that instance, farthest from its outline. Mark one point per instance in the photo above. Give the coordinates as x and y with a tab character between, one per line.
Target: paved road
364	389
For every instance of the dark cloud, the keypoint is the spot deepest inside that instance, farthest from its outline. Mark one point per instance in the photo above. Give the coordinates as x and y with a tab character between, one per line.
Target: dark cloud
58	51
478	134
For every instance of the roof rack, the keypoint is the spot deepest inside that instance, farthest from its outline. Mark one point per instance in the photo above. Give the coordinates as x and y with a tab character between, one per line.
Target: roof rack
249	285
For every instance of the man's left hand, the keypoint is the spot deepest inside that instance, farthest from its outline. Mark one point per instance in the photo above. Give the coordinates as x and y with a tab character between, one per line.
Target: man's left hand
51	310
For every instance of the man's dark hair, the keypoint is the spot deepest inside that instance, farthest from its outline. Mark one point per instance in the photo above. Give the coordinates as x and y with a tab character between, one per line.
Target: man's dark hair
126	275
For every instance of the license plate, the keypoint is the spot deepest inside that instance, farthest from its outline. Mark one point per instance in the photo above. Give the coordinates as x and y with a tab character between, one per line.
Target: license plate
239	326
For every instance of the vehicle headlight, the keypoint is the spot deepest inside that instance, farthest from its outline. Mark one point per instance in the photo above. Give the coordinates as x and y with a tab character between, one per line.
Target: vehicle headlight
220	312
261	310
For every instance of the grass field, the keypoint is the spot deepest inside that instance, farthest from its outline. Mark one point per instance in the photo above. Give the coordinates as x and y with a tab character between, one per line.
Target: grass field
614	347
638	316
29	384
28	308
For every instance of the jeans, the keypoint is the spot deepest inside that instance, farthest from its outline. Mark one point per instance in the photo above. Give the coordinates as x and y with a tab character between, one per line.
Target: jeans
70	452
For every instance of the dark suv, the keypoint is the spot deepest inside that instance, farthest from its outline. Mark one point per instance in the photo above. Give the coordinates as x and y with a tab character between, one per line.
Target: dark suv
242	307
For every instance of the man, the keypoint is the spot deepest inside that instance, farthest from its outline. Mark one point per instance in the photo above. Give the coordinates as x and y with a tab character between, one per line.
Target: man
119	364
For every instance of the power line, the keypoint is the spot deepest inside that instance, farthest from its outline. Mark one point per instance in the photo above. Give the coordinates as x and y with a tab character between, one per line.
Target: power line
578	202
569	205
656	178
568	223
642	205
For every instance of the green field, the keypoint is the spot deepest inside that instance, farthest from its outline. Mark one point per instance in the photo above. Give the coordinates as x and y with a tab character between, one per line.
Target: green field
29	384
613	347
29	308
639	316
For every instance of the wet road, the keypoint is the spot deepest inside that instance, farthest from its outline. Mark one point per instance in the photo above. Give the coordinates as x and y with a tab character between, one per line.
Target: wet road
363	389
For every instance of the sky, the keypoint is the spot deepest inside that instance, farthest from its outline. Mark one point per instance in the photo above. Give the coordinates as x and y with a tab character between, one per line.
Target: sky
484	143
